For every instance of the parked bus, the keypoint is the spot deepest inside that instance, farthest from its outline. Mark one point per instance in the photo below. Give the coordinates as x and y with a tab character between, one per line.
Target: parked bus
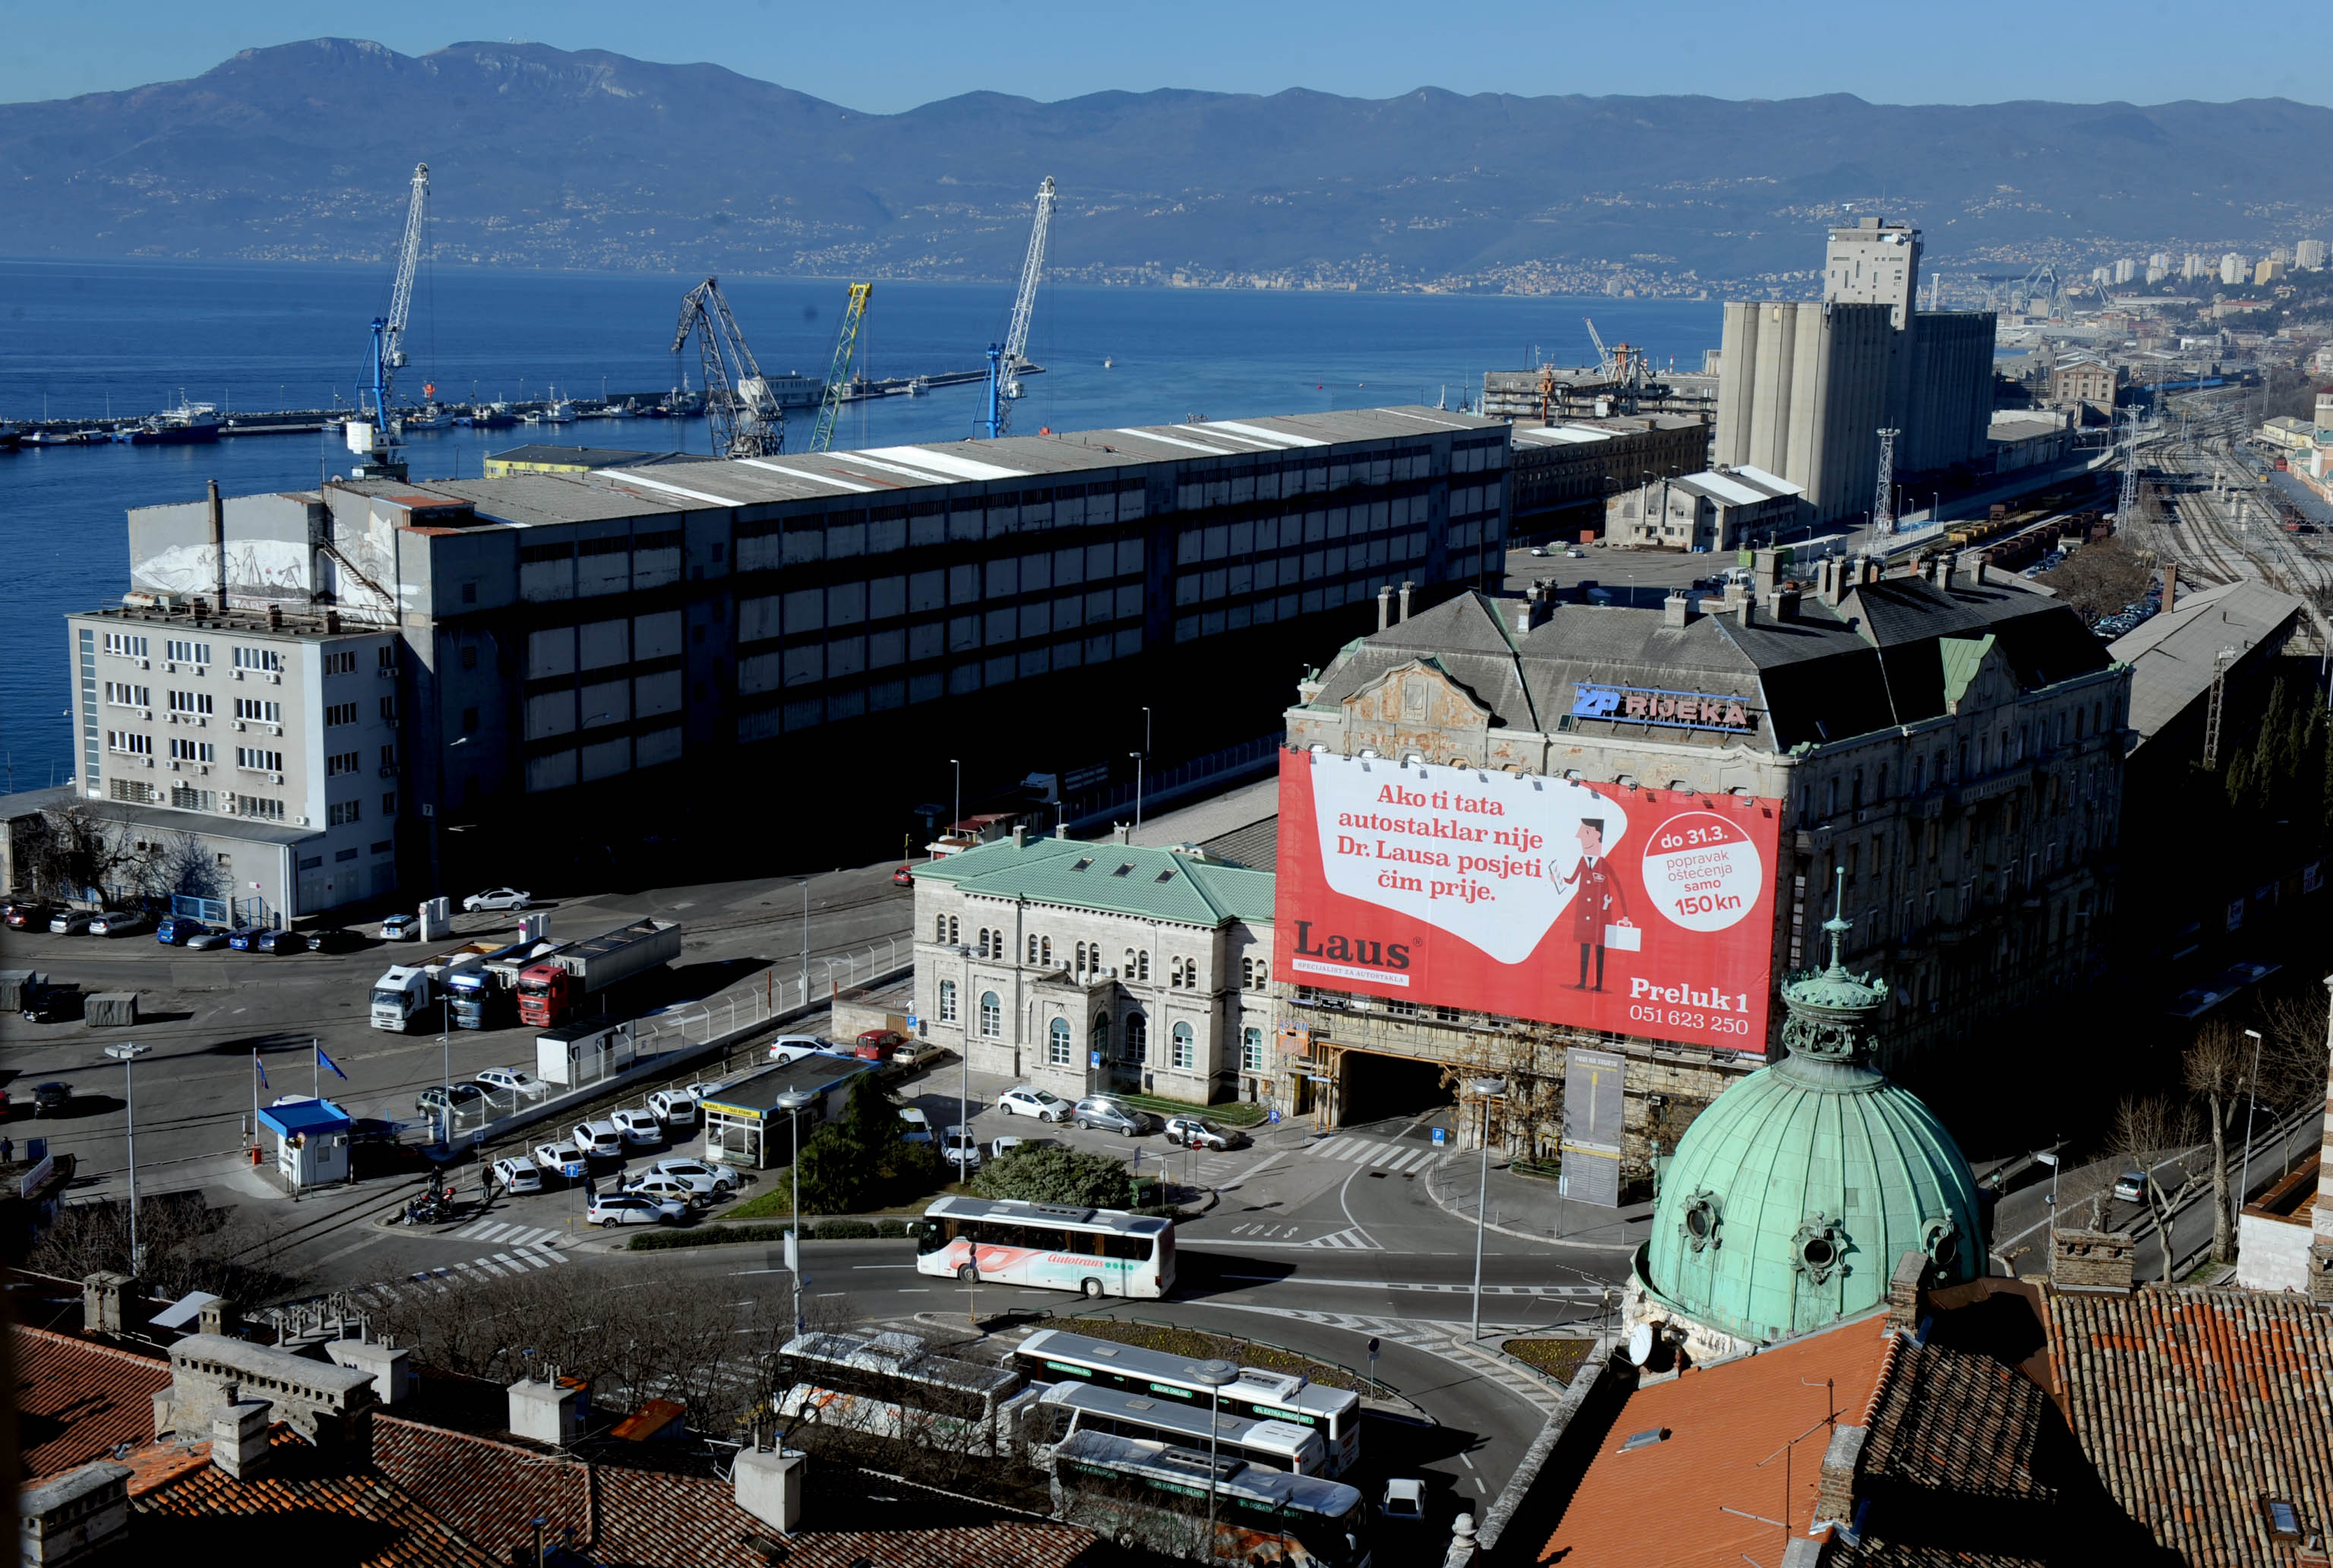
890	1385
1061	1411
1098	1251
1051	1355
1156	1493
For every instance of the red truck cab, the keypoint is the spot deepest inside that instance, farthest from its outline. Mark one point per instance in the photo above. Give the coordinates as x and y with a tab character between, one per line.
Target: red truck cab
547	993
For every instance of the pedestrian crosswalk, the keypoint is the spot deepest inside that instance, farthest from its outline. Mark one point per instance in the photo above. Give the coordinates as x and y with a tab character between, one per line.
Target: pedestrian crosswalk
1390	1158
523	1257
510	1234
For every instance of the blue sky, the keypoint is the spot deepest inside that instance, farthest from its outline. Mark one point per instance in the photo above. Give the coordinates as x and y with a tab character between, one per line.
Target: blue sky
884	57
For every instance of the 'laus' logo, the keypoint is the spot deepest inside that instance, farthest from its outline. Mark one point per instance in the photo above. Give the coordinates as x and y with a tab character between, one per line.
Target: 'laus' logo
1352	950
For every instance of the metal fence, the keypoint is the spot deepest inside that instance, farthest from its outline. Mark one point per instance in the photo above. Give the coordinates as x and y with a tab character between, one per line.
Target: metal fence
771	996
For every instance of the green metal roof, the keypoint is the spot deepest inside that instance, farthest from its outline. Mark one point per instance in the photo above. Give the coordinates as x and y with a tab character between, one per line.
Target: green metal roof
1963	657
1117	879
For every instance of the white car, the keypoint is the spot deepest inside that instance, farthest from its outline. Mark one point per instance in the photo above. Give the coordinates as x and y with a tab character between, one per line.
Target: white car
695	1174
518	1175
638	1126
561	1159
612	1209
674	1106
794	1047
1405	1502
663	1188
401	929
919	1126
497	898
960	1148
517	1081
1041	1103
600	1140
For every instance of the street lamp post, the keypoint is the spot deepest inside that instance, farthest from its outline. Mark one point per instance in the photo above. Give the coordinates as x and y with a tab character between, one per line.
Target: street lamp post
792	1105
1489	1089
2251	1106
1137	789
1215	1373
2050	1159
805	952
127	1052
957	764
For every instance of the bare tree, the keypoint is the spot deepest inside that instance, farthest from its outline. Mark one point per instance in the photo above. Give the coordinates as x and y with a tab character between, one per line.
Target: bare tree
2153	1132
67	853
2213	1066
187	1246
2098	580
2295	1066
179	864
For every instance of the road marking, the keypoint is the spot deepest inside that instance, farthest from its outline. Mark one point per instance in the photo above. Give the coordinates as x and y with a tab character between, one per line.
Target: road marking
544	1248
1255	1171
1334	1149
522	1262
905	1292
488	1265
882	1266
1465	1461
484	1230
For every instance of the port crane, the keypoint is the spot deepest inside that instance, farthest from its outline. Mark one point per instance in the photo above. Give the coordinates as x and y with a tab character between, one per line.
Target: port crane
378	437
838	373
1014	357
743	413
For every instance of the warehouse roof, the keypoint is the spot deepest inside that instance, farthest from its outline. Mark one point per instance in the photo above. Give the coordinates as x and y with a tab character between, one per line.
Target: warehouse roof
2173	657
1183	885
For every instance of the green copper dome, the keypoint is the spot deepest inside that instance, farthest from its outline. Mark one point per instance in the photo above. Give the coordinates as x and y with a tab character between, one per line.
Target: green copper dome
1791	1200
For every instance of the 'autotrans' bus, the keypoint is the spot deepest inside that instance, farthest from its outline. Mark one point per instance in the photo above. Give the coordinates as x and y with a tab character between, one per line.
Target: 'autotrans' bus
1053	1355
1063	1411
889	1385
1155	1493
1097	1251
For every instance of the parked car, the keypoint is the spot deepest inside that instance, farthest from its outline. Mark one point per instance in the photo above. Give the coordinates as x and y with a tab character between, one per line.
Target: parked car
1539	550
638	1126
434	1100
1405	1502
516	1080
998	1148
281	941
1198	1132
674	1106
335	940
56	1002
207	942
1103	1114
903	878
497	898
243	938
914	1053
960	1148
516	1176
401	929
48	1098
794	1047
613	1208
28	915
878	1044
919	1126
69	923
600	1140
177	930
119	923
664	1188
1577	554
698	1175
561	1159
1041	1103
2130	1187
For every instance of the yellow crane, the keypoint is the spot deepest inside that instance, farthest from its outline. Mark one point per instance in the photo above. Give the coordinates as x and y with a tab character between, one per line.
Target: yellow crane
838	374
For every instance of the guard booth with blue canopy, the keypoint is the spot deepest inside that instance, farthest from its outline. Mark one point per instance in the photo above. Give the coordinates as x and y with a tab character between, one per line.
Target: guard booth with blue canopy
311	1140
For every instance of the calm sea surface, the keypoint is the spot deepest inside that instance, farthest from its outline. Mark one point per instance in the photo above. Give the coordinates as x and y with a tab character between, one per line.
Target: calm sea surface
84	340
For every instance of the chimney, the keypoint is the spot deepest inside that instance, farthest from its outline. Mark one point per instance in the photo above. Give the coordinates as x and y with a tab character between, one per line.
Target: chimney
1948	568
1908	1293
112	1303
239	1433
1834	579
1020	836
275	618
216	1317
1984	573
2170	585
1676	610
1786	604
219	541
1766	569
549	1412
1384	607
1062	830
1748	607
332	620
770	1484
391	1366
74	1515
2093	1260
1835	1485
1406	587
1121	834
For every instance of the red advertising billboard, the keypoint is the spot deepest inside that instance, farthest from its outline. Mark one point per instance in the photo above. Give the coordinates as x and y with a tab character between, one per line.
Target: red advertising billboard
1640	911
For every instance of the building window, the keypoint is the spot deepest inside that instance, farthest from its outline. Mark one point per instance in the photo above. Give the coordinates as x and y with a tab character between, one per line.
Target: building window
1137	1038
1186	1050
258	759
948	1001
1101	1035
940	928
267	659
258	711
192	751
956	932
123	694
125	645
1058	1050
342	813
1251	1051
388	805
128	744
186	798
992	1016
340	713
187	652
1033	952
388	710
1045	951
258	806
342	762
341	663
195	702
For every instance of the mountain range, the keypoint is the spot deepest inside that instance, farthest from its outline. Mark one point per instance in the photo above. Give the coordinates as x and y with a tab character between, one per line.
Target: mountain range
541	156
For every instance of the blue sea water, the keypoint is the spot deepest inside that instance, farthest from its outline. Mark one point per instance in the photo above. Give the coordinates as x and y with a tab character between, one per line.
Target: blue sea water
83	340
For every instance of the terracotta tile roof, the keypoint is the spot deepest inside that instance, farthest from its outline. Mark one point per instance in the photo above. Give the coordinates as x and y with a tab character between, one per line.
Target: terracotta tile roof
77	1399
1950	1422
2195	1405
1666	1503
305	1502
999	1546
487	1490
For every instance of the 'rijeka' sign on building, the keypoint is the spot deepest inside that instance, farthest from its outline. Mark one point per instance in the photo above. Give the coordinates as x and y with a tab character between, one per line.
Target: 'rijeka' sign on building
1646	912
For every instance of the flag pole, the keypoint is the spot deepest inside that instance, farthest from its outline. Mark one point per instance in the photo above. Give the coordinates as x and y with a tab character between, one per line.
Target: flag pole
317	1047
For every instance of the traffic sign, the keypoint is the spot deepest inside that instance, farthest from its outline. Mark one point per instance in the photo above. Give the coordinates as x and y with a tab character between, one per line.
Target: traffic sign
1440	1137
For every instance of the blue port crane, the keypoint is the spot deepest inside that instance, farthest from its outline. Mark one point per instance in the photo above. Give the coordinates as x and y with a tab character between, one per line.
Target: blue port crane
837	372
377	436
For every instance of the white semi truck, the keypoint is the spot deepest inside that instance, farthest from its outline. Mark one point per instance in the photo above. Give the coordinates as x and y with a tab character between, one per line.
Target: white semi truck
407	991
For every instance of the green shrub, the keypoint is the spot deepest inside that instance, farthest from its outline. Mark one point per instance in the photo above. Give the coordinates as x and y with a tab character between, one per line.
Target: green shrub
844	1230
1056	1173
890	1227
706	1236
1230	1113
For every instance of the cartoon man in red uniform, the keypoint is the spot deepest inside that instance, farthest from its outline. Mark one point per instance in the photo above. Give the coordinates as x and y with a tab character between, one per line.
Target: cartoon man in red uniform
1600	901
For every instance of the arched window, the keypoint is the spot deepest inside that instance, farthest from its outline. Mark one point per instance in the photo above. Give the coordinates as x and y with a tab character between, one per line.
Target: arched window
948	1001
956	932
1186	1048
940	928
1138	1037
1045	951
992	1016
1127	972
1101	1035
1057	1044
1247	974
1080	951
1142	965
1251	1051
1033	952
980	942
1175	972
